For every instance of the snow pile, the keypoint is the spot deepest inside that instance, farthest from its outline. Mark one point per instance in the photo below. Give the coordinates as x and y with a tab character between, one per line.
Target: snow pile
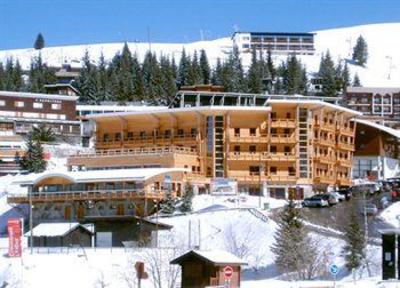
391	215
383	49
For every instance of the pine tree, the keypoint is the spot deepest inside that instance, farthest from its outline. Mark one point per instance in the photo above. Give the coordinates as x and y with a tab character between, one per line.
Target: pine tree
327	73
151	77
2	77
194	71
254	75
42	134
39	42
168	81
356	81
205	68
345	78
168	207
40	75
183	70
87	82
217	73
102	81
33	160
355	242
292	247
18	82
187	199
294	76
270	65
360	51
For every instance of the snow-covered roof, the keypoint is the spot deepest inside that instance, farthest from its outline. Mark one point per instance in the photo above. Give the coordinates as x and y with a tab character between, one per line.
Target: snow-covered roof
55	229
116	108
38	95
374	90
136	174
391	131
217	257
61	85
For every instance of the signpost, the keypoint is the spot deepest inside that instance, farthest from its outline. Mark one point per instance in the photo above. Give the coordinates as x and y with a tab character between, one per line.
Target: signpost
228	272
14	229
334	270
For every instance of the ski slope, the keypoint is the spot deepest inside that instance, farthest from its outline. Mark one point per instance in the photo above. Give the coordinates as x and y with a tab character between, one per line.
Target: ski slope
382	39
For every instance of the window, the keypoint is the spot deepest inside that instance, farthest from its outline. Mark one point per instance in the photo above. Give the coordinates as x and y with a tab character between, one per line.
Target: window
273	115
273	170
237	132
252	131
288	115
286	131
142	134
193	131
118	136
252	149
254	170
292	171
287	150
37	105
180	131
106	138
19	104
2	103
236	149
167	133
56	106
273	149
130	135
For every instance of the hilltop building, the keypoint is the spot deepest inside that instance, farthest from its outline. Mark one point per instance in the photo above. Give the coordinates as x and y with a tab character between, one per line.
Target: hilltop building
277	43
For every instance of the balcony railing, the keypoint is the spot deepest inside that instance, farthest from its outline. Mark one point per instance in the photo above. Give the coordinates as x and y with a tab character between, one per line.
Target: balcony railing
324	159
283	138
263	138
345	130
282	178
140	140
345	146
282	156
344	162
248	156
324	179
283	123
137	152
86	195
325	142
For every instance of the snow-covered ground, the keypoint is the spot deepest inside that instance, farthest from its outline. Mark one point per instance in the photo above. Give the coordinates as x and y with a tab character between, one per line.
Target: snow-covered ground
383	49
391	215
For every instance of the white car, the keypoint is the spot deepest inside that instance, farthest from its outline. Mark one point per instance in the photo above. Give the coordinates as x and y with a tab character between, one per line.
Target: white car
339	197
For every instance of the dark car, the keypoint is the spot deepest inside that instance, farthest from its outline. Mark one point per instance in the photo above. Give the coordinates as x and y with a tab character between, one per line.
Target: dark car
319	200
345	192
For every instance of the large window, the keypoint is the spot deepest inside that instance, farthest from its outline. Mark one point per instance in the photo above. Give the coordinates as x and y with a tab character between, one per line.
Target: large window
37	105
19	104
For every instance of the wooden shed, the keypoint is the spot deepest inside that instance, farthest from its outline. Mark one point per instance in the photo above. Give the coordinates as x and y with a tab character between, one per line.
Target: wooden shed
207	269
61	235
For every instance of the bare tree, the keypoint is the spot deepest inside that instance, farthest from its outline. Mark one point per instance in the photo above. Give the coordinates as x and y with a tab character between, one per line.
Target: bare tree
161	273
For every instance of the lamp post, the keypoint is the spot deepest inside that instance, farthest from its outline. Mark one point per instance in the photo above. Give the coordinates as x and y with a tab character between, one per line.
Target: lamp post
30	219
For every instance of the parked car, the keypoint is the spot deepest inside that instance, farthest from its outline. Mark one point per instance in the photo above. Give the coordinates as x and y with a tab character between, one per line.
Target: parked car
319	200
339	197
346	193
371	209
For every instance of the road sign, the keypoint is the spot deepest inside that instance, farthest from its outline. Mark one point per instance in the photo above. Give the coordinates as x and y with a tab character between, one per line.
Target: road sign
228	272
334	269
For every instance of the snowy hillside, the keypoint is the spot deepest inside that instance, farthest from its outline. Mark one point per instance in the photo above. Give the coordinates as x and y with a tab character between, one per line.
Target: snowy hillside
383	46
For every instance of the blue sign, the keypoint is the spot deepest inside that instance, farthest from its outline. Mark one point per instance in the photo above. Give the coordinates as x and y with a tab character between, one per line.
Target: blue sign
334	269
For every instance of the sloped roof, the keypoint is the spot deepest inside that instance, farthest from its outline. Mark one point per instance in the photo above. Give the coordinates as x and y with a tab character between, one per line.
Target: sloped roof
391	131
55	229
216	257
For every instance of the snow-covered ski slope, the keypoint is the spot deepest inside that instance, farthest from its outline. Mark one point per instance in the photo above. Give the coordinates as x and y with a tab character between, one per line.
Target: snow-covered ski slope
383	46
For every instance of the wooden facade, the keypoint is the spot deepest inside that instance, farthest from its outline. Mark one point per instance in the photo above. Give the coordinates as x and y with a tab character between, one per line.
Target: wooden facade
289	143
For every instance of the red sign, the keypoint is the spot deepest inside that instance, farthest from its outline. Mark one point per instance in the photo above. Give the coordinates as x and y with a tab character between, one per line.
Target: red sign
228	272
14	237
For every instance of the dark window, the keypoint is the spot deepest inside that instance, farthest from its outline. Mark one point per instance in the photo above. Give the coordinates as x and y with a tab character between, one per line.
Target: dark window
287	149
118	136
274	131
142	134
273	149
180	131
273	115
106	138
237	131
252	148
130	135
288	115
194	131
237	148
254	170
252	131
272	170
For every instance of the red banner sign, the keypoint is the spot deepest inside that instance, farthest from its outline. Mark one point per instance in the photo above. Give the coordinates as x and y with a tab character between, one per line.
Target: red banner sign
14	237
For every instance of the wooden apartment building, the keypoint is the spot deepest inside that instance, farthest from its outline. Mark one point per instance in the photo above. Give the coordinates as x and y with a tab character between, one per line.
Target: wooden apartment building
287	146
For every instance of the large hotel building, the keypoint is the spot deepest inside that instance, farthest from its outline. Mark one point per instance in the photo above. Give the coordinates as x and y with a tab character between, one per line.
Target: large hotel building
285	146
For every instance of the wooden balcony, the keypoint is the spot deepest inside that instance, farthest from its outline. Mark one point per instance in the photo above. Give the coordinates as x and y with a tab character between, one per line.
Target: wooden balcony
345	146
344	182
86	195
281	156
185	138
247	156
325	159
249	178
346	131
325	142
263	138
344	163
283	138
323	179
282	178
283	123
136	151
10	153
328	127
